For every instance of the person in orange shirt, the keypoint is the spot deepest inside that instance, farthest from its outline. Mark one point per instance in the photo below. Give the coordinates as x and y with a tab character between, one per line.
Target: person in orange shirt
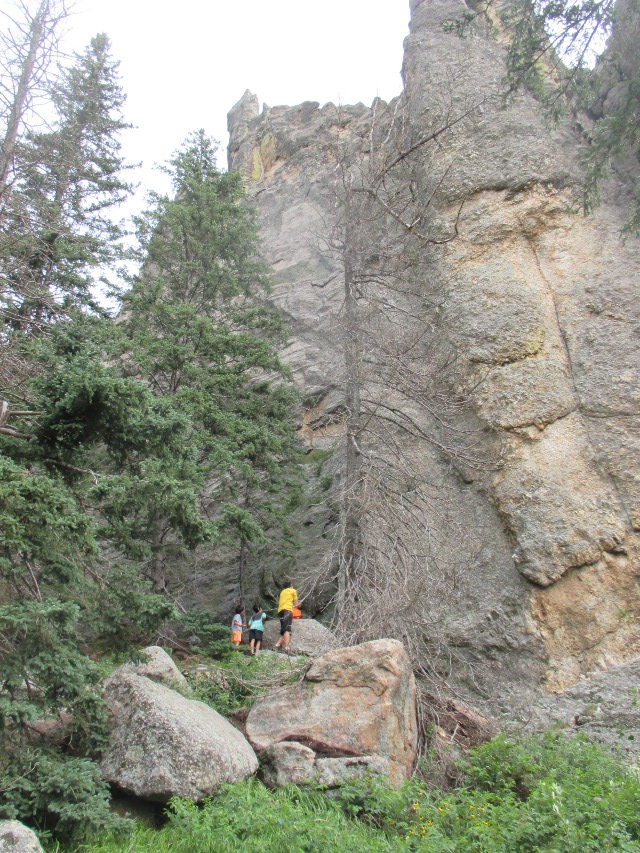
287	601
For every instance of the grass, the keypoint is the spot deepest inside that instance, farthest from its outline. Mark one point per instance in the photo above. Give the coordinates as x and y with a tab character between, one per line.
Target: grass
548	794
248	816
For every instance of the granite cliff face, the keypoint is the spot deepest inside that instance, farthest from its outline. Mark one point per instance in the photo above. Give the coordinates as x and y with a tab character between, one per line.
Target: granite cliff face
535	306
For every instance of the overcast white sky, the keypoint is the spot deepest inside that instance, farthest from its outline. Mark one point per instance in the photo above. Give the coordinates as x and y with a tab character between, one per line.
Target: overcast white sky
184	64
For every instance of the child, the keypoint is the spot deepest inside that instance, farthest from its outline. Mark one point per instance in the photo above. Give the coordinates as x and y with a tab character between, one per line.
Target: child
256	627
237	625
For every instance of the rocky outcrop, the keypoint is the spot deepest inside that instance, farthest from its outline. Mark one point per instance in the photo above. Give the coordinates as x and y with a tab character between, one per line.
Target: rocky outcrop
354	709
534	308
605	707
164	745
15	837
308	637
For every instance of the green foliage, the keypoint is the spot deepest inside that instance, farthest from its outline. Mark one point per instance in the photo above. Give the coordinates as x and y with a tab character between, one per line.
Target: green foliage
547	793
58	592
246	816
123	610
200	332
56	794
238	679
54	230
123	446
105	477
326	482
317	458
41	525
552	41
205	635
42	672
70	415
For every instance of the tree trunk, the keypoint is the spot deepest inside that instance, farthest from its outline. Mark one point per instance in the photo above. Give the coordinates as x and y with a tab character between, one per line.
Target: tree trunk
350	550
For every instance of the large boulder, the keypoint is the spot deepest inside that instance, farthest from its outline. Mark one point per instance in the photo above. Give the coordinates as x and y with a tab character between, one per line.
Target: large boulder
354	709
157	665
164	745
308	637
15	837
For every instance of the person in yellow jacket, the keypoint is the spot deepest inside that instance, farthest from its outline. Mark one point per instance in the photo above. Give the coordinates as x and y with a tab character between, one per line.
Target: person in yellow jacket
287	601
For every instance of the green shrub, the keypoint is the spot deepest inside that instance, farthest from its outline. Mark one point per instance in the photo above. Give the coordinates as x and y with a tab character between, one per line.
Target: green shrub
236	682
55	793
207	636
537	794
519	795
550	794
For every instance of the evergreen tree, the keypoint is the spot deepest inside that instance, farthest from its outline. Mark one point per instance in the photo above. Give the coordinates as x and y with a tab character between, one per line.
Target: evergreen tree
63	581
55	228
67	421
121	445
201	333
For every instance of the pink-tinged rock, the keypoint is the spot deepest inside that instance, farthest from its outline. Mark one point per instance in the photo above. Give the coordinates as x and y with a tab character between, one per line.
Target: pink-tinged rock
353	703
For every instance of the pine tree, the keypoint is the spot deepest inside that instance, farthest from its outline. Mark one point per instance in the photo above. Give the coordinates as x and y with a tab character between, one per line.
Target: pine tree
64	582
55	229
201	333
67	421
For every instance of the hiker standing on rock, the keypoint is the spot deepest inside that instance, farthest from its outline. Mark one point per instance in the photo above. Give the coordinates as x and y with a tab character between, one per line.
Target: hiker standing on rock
287	601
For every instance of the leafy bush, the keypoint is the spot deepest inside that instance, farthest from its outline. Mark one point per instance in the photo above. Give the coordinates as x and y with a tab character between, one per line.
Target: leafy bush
547	794
206	636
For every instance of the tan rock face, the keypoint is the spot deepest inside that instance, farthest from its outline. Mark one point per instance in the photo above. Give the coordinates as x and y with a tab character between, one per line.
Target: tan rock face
538	307
353	702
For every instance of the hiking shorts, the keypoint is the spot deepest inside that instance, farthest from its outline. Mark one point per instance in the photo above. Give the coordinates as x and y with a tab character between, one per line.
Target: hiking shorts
286	618
256	635
236	636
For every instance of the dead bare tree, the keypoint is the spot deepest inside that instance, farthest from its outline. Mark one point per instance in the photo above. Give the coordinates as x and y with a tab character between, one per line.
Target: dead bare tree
391	566
28	45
